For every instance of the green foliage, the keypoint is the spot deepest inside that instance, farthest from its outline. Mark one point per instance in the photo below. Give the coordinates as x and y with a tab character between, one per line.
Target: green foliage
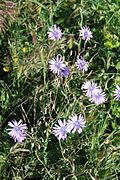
29	91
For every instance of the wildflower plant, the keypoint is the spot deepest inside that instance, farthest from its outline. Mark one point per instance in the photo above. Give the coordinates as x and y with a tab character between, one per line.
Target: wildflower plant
75	145
93	92
75	123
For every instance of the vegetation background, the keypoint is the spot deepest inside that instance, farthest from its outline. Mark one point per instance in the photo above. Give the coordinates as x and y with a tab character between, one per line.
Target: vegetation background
29	91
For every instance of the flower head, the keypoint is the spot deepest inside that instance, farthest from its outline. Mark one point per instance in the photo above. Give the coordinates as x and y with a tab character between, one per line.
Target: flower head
117	93
82	64
17	130
58	67
54	33
86	33
90	88
98	97
76	123
60	131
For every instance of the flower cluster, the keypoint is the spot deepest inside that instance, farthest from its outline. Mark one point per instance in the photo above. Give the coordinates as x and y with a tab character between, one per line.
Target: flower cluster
17	130
55	33
57	66
75	123
93	92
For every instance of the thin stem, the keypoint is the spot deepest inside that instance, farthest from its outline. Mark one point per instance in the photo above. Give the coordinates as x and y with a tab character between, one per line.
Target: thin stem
43	165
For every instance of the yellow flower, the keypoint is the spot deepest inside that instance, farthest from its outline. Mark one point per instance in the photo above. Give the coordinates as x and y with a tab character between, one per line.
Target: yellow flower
15	58
25	50
6	69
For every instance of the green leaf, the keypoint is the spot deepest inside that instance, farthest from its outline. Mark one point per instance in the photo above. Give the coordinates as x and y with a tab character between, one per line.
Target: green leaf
118	65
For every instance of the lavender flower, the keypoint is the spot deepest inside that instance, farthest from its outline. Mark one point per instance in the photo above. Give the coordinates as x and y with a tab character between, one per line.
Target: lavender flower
58	67
55	33
90	88
117	93
92	91
17	130
76	123
60	131
82	64
98	97
85	33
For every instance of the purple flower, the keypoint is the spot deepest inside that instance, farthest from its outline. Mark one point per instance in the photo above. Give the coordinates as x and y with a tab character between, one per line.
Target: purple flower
85	33
60	131
90	88
98	97
117	93
17	130
65	72
58	67
54	33
82	64
76	123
